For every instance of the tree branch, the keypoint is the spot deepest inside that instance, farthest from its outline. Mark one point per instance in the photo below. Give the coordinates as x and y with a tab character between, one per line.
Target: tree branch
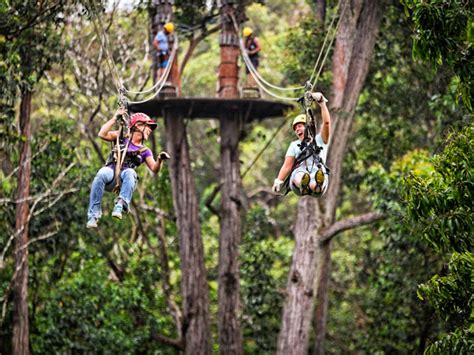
193	44
349	223
177	344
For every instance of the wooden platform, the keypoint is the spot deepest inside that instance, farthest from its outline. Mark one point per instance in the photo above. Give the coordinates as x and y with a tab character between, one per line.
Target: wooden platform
211	107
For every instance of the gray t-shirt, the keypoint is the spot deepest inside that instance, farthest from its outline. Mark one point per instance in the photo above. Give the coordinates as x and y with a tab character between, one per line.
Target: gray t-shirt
294	150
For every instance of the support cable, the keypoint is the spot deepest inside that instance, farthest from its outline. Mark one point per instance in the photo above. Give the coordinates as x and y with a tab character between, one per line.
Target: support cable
163	77
104	44
324	43
330	44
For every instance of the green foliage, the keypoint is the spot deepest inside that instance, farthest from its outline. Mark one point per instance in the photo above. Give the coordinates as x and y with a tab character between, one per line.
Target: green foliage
29	42
441	206
394	115
305	45
441	35
86	312
391	262
451	295
441	203
264	266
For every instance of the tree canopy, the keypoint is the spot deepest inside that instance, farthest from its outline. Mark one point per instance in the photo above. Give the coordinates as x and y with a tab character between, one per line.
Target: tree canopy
400	284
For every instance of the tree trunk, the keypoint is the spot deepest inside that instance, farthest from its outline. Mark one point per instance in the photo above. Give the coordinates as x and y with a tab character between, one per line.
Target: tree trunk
230	337
196	328
353	50
352	53
298	308
20	341
231	124
322	296
320	10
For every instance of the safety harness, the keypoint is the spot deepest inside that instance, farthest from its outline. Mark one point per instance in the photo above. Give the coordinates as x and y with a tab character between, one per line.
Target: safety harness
130	159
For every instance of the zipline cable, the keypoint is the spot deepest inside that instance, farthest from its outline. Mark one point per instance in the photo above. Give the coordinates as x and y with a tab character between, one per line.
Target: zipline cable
330	44
324	42
163	76
104	44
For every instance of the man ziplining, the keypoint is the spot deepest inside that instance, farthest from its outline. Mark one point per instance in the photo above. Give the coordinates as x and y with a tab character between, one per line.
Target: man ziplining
304	168
130	154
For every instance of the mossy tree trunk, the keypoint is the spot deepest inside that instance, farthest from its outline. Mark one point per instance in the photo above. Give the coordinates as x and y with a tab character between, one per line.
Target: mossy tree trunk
195	292
20	341
310	271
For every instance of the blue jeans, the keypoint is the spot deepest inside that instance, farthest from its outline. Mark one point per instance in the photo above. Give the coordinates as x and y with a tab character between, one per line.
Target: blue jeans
105	180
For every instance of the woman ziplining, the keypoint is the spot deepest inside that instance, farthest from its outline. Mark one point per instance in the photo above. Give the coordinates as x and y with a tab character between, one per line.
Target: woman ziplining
119	173
304	169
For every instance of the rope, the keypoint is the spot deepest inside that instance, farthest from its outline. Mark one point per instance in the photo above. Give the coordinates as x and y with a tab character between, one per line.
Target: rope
165	75
254	70
104	44
332	40
258	78
324	43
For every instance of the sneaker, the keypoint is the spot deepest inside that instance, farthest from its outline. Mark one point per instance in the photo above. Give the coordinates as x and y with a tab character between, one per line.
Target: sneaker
305	184
319	176
117	212
92	222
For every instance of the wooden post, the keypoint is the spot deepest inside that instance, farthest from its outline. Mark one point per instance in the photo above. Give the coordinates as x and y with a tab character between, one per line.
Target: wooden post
161	13
231	124
229	44
194	287
195	291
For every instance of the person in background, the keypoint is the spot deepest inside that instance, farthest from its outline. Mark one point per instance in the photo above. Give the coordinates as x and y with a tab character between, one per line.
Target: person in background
162	45
253	47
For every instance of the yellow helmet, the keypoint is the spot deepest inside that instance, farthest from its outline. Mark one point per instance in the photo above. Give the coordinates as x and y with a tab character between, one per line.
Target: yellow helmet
247	31
169	26
299	119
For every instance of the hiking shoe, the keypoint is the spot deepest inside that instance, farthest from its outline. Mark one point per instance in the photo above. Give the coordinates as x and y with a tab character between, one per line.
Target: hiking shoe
319	176
305	184
117	212
92	222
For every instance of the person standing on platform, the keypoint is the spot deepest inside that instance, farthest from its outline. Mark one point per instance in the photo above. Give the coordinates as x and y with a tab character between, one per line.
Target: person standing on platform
161	42
253	47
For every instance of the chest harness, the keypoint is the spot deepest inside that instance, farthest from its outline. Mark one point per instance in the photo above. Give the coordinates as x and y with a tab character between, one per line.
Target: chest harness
251	45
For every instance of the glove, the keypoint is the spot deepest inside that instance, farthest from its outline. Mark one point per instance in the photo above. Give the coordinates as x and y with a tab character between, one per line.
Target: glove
319	97
277	185
164	156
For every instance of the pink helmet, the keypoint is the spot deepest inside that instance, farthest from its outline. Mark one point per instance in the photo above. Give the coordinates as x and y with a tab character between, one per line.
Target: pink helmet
141	117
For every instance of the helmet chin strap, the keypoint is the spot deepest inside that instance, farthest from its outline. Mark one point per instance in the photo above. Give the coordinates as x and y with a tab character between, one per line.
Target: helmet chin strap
134	129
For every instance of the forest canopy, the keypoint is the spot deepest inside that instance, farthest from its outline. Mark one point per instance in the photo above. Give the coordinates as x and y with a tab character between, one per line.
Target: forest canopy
209	259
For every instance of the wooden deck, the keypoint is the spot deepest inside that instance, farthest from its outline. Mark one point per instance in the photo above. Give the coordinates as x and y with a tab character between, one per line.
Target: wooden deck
213	108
